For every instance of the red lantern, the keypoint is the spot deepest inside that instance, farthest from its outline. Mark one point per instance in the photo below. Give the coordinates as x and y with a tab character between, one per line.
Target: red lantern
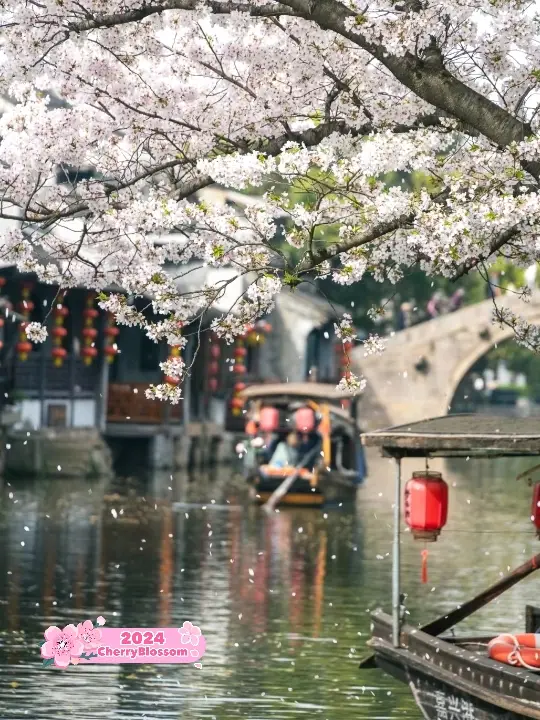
59	355
24	348
535	510
90	333
59	332
89	353
213	384
213	368
110	352
269	419
111	331
240	369
240	352
60	312
239	386
215	351
426	505
3	281
304	420
90	313
237	403
171	380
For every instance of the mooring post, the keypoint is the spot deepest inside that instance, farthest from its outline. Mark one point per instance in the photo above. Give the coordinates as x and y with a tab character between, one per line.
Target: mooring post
396	560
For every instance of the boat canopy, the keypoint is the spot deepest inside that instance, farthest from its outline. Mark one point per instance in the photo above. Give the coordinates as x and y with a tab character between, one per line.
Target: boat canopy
467	435
289	391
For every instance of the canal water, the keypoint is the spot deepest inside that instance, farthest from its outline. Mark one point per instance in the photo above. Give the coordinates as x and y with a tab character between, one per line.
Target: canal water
283	602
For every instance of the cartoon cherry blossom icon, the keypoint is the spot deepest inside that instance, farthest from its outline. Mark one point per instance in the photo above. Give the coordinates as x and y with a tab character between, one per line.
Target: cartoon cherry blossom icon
189	634
88	635
61	645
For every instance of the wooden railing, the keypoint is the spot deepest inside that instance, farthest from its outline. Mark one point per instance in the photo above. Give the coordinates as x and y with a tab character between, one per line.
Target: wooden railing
127	403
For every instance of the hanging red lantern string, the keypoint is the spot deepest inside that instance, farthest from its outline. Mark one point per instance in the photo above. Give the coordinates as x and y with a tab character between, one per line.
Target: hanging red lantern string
174	352
25	307
426	509
214	366
110	348
89	332
237	404
240	354
59	332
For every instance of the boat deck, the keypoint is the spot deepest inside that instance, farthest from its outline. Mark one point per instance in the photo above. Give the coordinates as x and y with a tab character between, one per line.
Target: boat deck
459	663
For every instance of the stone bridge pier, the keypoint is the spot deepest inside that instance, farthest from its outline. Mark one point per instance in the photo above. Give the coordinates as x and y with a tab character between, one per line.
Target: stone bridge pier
419	372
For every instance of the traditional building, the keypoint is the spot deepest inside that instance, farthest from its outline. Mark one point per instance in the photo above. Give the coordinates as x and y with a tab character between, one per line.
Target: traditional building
88	380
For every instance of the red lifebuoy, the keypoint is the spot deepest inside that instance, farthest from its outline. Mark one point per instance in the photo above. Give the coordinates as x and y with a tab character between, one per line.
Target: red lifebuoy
516	650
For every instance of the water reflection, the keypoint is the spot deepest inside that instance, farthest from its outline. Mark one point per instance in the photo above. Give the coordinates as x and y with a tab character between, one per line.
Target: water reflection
283	601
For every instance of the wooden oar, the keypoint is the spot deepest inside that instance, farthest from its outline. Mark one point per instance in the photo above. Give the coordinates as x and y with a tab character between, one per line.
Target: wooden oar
441	624
280	491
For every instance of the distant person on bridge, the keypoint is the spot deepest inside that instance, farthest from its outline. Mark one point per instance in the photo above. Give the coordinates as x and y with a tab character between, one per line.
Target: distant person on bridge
493	289
457	299
404	319
435	305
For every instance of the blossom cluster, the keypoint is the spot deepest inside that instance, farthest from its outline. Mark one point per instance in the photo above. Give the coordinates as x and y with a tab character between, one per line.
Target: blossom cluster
117	117
68	645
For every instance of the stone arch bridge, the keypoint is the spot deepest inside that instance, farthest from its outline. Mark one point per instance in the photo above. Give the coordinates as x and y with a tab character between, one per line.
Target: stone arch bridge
419	372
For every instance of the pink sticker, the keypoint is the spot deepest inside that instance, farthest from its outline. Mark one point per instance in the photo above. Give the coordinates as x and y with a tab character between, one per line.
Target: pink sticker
85	643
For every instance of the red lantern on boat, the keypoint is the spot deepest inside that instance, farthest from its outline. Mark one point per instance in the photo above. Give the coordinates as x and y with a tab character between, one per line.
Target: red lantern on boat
426	505
304	420
268	419
535	509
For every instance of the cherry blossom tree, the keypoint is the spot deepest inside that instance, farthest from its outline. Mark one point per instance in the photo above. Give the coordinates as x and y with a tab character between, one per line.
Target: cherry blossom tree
165	97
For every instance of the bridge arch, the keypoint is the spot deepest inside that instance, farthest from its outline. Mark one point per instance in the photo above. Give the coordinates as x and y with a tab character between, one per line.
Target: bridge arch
418	374
499	336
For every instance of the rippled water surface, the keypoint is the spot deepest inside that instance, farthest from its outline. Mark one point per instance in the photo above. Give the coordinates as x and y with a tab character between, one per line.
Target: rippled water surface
283	601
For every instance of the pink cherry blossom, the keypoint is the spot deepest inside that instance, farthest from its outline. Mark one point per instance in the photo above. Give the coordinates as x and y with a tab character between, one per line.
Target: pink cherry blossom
190	634
62	645
336	98
89	636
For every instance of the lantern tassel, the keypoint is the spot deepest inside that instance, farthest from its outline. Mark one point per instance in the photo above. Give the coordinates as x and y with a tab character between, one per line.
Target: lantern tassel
424	566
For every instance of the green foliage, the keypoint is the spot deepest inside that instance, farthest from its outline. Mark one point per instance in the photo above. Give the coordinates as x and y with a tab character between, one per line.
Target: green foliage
518	360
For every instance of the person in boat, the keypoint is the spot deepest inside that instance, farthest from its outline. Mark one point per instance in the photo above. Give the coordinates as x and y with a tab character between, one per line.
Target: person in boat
310	440
286	453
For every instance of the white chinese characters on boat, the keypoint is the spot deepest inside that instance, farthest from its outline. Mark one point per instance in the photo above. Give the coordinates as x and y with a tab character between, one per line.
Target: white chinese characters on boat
453	708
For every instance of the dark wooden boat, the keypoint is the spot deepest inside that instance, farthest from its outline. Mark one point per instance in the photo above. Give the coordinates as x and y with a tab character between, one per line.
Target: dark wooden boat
336	467
453	678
